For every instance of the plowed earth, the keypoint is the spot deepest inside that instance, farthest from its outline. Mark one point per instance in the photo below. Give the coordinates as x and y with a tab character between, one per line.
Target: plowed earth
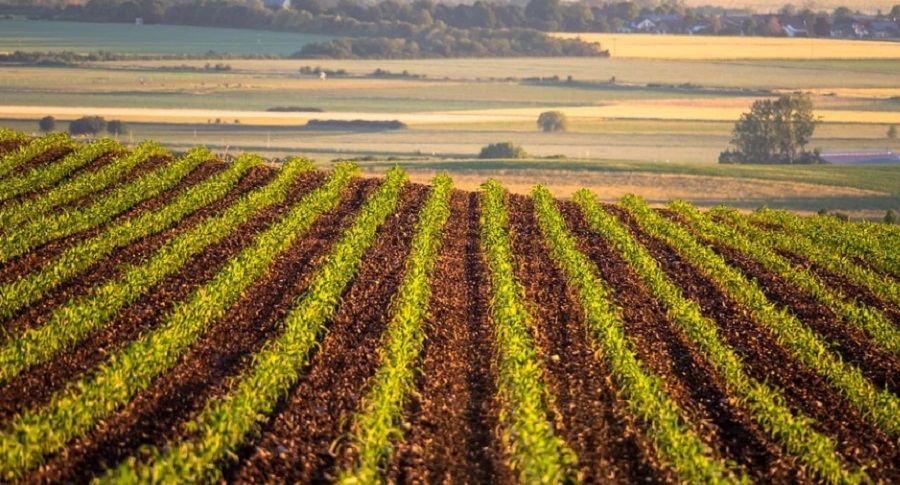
452	420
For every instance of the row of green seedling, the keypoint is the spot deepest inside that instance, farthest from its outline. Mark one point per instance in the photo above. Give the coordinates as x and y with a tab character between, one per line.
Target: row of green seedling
46	176
48	227
78	317
647	398
84	253
534	450
870	320
19	212
765	405
880	406
880	285
7	134
862	240
379	421
74	411
31	149
227	421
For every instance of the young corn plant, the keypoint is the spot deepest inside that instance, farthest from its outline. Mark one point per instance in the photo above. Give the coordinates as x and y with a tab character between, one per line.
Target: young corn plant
882	286
879	406
535	451
676	442
85	253
19	212
32	149
870	320
225	422
379	421
765	404
48	175
8	135
48	227
74	411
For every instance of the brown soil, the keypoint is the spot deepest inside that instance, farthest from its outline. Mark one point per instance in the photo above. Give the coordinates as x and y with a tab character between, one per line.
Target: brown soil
51	155
302	441
89	167
10	145
855	438
451	436
224	352
690	380
609	442
34	387
147	166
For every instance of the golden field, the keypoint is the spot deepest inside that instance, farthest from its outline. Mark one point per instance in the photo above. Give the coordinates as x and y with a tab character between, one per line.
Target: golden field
684	47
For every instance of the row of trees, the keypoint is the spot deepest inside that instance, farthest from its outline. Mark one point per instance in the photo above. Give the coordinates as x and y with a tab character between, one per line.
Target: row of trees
87	125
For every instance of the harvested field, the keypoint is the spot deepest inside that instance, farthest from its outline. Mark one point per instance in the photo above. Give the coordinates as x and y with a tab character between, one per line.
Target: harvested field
231	321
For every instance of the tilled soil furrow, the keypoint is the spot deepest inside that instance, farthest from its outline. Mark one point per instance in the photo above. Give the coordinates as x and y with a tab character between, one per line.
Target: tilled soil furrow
691	381
51	155
155	415
451	436
609	442
300	441
856	439
136	253
144	168
35	386
35	258
93	166
10	145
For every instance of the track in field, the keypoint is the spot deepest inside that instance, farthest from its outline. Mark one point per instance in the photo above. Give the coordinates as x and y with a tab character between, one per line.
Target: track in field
457	420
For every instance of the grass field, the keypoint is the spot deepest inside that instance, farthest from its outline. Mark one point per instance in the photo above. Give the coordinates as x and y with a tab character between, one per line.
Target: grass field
648	46
37	35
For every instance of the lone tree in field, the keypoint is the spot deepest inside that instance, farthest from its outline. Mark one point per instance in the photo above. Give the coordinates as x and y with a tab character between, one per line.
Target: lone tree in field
88	125
892	132
47	124
774	131
116	127
503	150
553	121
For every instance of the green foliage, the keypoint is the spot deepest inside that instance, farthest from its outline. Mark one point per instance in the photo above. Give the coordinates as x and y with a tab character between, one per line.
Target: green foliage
87	125
526	402
380	419
47	124
646	394
503	150
74	411
19	212
774	131
116	127
553	121
31	149
225	422
890	217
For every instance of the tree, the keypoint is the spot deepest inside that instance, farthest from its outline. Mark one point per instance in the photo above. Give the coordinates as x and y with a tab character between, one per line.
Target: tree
843	13
895	12
47	124
503	150
88	125
553	121
774	131
116	127
892	132
890	217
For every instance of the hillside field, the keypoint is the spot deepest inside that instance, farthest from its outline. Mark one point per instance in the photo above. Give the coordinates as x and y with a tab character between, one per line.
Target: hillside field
183	318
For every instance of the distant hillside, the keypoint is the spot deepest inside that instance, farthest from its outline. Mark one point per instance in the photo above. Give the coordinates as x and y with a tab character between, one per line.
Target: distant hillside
767	6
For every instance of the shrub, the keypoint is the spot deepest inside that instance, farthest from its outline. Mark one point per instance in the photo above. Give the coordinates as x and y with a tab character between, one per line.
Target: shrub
503	150
47	124
890	217
116	127
87	125
553	121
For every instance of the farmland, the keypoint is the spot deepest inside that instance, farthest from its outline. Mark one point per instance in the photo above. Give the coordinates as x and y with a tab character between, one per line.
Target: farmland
172	318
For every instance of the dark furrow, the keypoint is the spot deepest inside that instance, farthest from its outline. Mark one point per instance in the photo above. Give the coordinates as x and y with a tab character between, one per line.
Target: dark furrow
155	416
855	438
50	155
609	442
451	436
147	166
300	442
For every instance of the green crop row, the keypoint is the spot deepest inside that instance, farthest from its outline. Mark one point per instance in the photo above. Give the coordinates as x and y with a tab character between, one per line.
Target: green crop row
86	252
868	241
225	422
74	411
881	407
766	406
48	175
869	320
45	228
526	402
31	149
69	323
379	421
85	183
645	392
7	135
880	285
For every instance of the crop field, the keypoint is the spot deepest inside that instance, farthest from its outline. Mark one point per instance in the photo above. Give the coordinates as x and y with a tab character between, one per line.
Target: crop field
174	319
